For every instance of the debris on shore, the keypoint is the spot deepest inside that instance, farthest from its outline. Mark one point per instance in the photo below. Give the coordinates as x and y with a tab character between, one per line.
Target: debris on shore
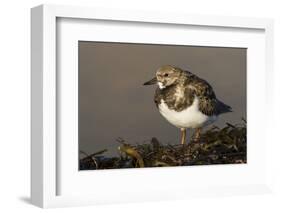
227	145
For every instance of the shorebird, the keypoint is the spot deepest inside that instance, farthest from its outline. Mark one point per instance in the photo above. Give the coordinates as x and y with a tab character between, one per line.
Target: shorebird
185	100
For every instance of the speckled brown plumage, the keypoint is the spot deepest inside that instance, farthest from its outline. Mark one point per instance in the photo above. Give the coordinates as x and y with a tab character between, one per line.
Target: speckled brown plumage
181	93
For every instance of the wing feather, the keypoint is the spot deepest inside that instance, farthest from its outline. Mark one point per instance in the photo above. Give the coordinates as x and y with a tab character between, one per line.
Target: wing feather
207	97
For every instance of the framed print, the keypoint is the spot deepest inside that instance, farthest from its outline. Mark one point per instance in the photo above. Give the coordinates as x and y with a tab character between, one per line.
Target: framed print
118	94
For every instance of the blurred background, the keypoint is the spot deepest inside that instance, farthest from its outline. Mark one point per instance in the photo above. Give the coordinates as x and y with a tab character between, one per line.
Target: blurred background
114	103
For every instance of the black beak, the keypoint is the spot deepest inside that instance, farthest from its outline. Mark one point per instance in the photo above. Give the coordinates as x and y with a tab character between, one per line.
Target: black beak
151	82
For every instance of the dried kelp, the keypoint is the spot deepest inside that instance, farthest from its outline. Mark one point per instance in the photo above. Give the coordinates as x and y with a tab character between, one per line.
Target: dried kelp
216	146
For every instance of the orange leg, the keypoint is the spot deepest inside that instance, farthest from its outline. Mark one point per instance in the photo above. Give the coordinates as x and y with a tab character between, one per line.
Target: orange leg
183	135
197	133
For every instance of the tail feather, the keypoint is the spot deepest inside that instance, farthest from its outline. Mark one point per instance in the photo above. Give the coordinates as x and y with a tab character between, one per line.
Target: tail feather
223	108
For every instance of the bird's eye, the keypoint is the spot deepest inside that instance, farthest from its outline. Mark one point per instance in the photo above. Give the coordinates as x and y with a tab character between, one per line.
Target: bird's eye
166	74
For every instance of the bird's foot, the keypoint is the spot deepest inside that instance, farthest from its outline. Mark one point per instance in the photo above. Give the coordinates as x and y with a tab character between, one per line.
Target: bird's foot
196	136
195	139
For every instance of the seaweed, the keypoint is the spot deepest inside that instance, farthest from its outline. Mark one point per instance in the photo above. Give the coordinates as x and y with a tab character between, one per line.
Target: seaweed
227	145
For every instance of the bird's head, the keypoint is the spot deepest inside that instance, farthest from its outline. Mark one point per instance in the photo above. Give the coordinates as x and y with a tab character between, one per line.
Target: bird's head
165	76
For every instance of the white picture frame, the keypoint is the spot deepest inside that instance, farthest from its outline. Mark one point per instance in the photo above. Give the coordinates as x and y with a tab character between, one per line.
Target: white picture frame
45	165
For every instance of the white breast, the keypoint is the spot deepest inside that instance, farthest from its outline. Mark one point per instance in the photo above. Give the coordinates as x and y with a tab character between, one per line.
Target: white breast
188	118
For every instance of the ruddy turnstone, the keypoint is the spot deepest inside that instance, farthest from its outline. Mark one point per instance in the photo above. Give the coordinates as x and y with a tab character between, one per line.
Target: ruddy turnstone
186	100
